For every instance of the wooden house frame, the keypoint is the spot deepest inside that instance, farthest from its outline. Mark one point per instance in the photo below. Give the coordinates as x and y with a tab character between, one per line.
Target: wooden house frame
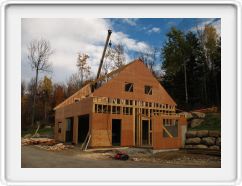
127	107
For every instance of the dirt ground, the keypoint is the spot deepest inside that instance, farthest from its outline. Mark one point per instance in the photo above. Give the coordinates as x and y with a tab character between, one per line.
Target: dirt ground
35	157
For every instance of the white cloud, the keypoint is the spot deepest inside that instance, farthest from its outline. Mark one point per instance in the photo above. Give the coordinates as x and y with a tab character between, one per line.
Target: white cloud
129	43
68	37
154	29
212	21
130	21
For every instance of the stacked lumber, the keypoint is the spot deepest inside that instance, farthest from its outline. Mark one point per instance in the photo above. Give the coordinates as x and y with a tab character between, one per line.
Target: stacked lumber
57	147
46	143
38	141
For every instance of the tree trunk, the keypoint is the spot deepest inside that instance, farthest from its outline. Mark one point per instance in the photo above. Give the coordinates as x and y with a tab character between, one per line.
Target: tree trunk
217	101
185	76
205	85
45	111
34	100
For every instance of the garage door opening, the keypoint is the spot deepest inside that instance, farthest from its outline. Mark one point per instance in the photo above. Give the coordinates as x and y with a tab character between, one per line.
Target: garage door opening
69	130
116	132
83	128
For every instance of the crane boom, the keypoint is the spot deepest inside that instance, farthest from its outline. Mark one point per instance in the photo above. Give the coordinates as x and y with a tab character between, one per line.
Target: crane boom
104	51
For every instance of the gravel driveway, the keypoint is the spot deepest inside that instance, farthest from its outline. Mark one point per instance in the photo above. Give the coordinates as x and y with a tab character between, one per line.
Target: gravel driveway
34	157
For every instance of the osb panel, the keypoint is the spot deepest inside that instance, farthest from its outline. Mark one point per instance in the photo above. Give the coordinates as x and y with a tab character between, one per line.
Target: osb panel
183	120
82	93
127	131
138	74
160	142
60	136
79	108
102	129
101	138
73	110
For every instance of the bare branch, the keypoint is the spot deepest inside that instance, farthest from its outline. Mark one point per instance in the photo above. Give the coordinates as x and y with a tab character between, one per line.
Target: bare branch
39	53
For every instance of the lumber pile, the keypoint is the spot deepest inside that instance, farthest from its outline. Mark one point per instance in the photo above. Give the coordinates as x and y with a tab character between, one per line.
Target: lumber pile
57	147
38	141
46	143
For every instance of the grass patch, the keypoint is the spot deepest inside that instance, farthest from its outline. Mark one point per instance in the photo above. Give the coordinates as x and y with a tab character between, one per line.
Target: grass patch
212	121
41	131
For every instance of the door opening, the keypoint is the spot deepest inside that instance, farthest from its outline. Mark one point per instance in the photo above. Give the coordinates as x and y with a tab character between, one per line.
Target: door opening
116	132
69	130
83	127
145	132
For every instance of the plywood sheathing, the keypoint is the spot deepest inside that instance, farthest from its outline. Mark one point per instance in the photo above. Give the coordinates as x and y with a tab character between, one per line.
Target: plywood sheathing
137	73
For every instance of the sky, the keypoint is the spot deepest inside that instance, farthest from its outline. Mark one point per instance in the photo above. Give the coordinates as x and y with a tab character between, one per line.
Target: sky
70	36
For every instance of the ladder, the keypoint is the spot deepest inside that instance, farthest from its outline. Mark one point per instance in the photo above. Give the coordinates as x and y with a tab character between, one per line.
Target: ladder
86	142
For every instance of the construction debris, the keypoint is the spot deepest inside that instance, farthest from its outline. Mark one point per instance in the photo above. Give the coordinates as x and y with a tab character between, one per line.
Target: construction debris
57	147
38	141
46	143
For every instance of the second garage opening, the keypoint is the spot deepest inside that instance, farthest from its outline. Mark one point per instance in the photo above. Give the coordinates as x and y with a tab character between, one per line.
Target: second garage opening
83	127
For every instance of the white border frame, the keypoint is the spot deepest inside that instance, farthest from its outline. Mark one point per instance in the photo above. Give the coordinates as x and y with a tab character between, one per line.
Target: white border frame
235	3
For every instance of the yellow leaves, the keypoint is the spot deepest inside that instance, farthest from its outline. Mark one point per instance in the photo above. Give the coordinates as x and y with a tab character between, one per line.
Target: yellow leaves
46	86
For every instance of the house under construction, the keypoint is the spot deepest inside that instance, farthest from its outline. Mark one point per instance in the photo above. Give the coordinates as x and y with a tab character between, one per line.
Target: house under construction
127	107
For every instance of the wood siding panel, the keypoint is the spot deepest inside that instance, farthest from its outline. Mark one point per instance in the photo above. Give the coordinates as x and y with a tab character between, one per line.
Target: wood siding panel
161	142
138	74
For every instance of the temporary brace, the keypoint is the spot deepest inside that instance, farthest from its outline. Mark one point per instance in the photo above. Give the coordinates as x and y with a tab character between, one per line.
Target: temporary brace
169	134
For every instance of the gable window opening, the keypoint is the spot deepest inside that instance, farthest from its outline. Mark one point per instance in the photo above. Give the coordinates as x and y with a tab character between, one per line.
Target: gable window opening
148	90
129	87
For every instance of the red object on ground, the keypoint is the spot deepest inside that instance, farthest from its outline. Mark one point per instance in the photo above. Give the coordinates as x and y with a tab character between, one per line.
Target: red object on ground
121	156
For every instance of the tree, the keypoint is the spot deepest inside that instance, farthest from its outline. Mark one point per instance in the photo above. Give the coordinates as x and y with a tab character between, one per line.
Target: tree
186	64
114	58
107	63
23	88
59	94
46	92
149	57
73	84
210	42
39	52
195	60
83	67
174	54
118	56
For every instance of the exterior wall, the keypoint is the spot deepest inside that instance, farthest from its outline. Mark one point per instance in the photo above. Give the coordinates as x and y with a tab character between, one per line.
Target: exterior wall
161	142
73	110
138	74
102	129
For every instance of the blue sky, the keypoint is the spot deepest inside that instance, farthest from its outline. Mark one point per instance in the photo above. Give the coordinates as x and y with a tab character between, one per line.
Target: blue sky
70	36
141	29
